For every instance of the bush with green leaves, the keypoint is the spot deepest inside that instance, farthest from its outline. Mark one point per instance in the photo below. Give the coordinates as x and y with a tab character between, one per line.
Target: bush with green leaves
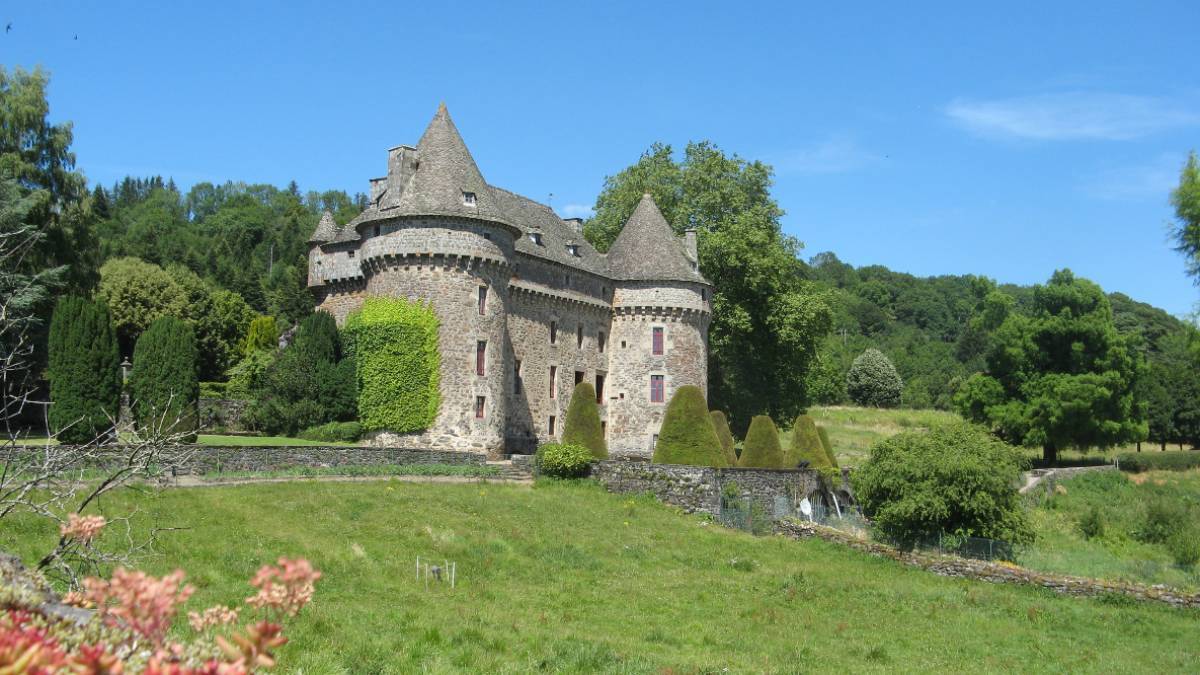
873	381
761	449
395	345
806	445
1165	518
687	435
725	435
262	335
827	446
1184	546
563	460
1092	524
333	432
1136	462
84	370
582	426
164	386
954	479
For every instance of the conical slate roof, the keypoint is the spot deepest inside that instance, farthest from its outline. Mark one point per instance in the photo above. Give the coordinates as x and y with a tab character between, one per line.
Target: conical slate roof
326	229
647	249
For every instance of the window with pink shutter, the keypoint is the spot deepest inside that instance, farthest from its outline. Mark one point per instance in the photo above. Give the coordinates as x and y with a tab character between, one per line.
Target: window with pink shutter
656	388
658	341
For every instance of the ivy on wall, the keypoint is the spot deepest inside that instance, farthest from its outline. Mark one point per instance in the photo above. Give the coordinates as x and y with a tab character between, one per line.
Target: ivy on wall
395	345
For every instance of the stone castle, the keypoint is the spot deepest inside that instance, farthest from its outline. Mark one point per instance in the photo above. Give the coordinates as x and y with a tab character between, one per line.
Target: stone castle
528	307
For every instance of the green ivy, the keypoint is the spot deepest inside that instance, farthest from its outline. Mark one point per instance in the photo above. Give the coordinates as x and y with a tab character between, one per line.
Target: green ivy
395	343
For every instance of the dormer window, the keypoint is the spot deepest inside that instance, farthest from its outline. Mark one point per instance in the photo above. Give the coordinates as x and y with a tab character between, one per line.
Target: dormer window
536	238
469	198
573	249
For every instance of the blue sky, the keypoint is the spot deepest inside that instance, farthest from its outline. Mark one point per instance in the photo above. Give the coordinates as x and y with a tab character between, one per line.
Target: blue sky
934	138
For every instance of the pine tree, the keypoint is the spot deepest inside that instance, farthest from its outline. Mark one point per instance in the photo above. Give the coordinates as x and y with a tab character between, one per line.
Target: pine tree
806	445
84	371
761	449
721	424
583	422
687	435
164	386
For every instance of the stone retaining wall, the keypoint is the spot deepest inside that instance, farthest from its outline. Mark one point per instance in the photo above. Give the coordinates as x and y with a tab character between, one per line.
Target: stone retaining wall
698	489
1046	479
206	459
1000	573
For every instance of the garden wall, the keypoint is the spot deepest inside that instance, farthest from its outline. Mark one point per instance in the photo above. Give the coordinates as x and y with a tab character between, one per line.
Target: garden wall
205	459
698	489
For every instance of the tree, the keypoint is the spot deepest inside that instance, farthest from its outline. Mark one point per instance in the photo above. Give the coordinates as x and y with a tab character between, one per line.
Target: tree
164	387
261	336
219	318
687	435
1186	200
1171	392
957	479
806	445
827	446
761	449
873	381
582	425
1061	376
721	425
137	294
767	320
84	371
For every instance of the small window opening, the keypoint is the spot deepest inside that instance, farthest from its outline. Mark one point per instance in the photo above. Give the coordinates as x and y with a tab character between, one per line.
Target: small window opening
550	426
480	405
481	358
376	230
469	198
536	238
573	249
579	336
622	344
553	332
599	389
517	376
656	388
600	341
578	377
658	341
482	300
553	381
350	253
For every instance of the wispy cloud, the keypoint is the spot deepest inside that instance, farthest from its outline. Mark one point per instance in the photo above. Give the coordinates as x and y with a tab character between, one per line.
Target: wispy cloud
1150	180
836	154
577	211
1071	116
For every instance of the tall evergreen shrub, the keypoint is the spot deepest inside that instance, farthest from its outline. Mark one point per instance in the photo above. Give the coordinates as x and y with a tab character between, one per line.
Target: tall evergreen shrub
84	370
873	381
583	422
395	347
721	424
827	446
263	335
687	435
761	449
164	386
806	445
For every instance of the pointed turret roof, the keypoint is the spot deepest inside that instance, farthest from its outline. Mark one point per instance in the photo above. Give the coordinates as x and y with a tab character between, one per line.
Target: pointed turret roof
647	249
326	229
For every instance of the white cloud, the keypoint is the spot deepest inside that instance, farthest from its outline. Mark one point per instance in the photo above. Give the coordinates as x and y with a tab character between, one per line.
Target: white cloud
1152	180
577	211
836	154
1071	116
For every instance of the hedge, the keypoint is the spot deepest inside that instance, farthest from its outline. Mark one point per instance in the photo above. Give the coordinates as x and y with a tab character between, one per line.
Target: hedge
583	422
806	445
827	446
761	449
164	386
687	435
563	460
1136	462
333	432
721	424
395	345
84	369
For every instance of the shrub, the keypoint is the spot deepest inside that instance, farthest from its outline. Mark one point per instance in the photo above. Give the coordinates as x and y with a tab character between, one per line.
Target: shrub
687	435
761	450
213	389
263	335
873	381
806	445
395	346
84	370
583	422
563	460
956	479
1165	518
721	425
1184	547
1136	462
1092	524
823	434
164	385
247	375
333	432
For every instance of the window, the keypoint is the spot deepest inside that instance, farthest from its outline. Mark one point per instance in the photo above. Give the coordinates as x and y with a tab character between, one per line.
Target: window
573	249
469	198
579	336
553	377
482	300
517	376
600	341
599	389
487	235
536	238
553	332
350	253
656	388
578	377
654	441
550	426
604	428
480	357
376	230
658	341
567	280
622	344
480	405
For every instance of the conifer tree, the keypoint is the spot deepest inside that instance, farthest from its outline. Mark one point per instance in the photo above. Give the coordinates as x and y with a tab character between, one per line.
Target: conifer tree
687	435
761	449
828	447
721	424
806	445
262	336
84	370
583	422
164	387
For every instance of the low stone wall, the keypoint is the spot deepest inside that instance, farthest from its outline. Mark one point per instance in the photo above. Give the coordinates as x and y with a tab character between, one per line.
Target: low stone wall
698	489
1046	479
999	573
207	459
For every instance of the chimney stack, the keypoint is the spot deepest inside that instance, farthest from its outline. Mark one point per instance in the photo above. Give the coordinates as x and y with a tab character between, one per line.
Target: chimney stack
689	241
576	223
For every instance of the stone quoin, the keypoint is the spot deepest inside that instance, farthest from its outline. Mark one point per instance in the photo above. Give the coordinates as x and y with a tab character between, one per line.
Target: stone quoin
527	306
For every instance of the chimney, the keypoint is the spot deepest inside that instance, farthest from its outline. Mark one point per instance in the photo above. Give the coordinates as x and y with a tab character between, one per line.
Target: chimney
378	185
576	223
689	242
402	161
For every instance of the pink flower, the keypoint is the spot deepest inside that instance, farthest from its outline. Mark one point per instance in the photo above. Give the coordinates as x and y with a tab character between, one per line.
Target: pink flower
284	589
216	615
137	601
82	528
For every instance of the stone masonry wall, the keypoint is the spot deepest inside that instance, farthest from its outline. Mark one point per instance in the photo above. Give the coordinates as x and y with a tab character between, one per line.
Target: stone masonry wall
206	459
698	489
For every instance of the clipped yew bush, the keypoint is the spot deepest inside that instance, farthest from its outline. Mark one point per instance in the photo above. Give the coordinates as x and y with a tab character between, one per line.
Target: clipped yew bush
262	335
721	425
84	370
761	449
827	446
806	445
563	460
394	344
873	381
164	386
582	426
687	435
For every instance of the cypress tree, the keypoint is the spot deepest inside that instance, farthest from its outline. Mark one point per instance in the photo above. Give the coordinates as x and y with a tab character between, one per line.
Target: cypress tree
806	445
84	370
761	449
721	424
827	446
583	422
164	385
687	435
262	336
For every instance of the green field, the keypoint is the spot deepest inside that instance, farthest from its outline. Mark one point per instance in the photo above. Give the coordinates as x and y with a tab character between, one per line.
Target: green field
568	578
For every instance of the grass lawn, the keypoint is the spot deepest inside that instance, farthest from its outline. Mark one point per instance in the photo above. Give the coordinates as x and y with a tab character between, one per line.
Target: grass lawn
568	578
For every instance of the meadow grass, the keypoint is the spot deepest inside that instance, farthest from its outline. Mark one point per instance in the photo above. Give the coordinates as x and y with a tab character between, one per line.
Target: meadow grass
565	577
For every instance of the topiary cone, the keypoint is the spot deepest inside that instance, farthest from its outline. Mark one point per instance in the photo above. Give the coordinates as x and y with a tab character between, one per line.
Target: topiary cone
721	424
761	449
824	436
688	435
806	445
583	422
